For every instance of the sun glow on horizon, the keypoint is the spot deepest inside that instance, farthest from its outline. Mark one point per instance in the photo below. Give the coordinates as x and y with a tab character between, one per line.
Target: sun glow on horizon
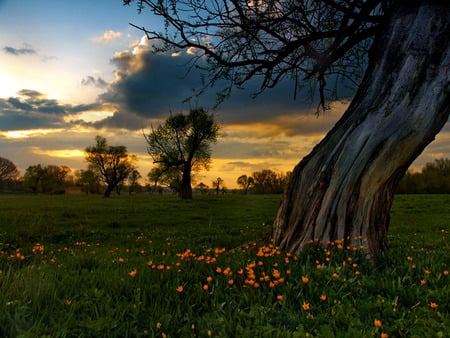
60	153
20	134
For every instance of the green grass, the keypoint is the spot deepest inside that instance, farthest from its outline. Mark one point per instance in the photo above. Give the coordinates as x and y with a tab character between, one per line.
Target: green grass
113	267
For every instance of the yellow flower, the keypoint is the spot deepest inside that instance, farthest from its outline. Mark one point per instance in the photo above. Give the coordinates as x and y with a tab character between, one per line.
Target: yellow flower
158	325
133	273
180	288
377	323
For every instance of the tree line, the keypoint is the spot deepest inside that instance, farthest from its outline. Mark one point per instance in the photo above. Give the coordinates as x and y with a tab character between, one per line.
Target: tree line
433	179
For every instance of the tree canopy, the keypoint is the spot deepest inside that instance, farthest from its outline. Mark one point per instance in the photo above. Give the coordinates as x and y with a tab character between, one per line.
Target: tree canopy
182	144
112	163
272	40
8	170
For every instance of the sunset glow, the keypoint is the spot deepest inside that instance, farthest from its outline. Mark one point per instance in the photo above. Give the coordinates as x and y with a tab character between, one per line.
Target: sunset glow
85	72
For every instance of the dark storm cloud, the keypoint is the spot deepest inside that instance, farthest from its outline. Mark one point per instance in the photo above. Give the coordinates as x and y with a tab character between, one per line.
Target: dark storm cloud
96	82
151	85
32	109
19	51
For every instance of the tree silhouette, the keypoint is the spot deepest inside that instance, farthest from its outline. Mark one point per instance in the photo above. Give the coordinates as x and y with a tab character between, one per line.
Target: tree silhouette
112	163
8	170
344	188
183	144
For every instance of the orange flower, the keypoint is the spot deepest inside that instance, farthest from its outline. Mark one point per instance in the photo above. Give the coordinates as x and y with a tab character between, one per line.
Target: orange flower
133	273
323	297
423	282
180	288
158	325
377	323
68	302
334	275
209	279
427	272
205	287
231	282
306	306
446	273
433	305
121	260
305	279
280	297
384	335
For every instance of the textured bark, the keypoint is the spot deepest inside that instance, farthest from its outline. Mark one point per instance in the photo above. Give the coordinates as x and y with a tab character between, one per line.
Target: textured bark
345	187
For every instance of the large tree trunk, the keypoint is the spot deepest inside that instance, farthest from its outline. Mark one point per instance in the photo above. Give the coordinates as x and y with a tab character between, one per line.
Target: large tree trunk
186	188
345	187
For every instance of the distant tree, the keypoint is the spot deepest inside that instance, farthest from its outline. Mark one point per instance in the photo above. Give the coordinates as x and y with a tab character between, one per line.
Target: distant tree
218	185
269	182
8	171
162	176
112	163
89	181
183	143
203	188
396	53
49	179
245	182
133	179
54	179
433	179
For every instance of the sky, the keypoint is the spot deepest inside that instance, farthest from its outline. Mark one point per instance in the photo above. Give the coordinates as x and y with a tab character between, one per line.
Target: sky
71	70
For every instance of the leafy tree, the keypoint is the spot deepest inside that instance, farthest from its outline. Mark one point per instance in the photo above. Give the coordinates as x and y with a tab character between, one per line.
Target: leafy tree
218	185
268	182
433	179
133	179
49	179
112	163
8	171
203	188
89	181
245	182
344	189
183	144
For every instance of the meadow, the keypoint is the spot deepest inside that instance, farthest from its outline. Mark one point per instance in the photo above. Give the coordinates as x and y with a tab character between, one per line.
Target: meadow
158	266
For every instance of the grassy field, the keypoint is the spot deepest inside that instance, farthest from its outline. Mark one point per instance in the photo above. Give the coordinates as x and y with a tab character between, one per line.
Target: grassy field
84	266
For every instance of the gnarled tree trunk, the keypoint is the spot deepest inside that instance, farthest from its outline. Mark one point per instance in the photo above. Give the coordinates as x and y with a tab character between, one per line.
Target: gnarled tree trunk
345	187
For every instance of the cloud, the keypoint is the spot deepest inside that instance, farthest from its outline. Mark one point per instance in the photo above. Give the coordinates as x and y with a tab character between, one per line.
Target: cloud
96	82
27	50
150	86
32	110
107	36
